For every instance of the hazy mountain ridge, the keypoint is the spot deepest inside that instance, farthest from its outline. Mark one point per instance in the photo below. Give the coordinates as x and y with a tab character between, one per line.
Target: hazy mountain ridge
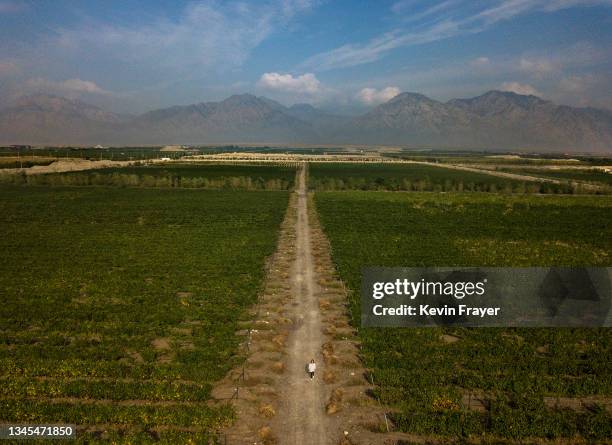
45	119
239	118
493	120
414	117
528	120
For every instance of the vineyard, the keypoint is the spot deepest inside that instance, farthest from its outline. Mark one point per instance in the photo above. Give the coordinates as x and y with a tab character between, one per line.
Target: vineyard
120	306
458	382
187	175
418	177
584	175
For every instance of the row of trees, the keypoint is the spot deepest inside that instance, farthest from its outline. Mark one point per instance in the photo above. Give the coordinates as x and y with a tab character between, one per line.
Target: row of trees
133	180
426	185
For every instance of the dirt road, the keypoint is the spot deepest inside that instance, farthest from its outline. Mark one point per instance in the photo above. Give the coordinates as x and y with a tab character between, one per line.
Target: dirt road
303	419
301	314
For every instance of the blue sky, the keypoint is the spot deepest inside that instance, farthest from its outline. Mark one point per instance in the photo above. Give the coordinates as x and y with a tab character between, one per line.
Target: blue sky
136	55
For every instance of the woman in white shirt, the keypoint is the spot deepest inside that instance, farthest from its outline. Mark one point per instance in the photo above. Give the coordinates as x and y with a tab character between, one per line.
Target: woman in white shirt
312	367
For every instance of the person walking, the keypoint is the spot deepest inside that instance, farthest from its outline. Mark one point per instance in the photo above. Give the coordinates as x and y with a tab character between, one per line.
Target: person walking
312	367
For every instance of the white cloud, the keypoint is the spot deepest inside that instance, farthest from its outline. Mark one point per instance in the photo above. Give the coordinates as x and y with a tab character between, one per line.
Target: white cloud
536	67
405	9
555	5
353	55
304	84
84	86
206	40
481	62
69	87
450	21
575	84
578	55
519	88
372	96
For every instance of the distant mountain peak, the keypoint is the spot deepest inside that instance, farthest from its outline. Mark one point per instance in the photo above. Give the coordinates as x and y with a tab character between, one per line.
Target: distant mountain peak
410	97
497	103
508	96
242	99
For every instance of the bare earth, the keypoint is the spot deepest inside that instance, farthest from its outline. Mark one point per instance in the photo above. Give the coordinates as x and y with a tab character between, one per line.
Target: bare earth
302	314
303	420
67	165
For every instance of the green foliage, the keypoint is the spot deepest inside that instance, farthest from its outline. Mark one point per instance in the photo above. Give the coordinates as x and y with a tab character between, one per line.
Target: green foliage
417	177
94	154
589	175
204	176
126	294
515	368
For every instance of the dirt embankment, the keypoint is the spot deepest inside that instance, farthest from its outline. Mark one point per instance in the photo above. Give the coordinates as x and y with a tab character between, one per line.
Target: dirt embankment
67	165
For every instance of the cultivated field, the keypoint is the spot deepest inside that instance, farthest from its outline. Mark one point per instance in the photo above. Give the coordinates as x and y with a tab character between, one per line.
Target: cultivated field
124	290
588	175
504	383
418	177
120	306
180	175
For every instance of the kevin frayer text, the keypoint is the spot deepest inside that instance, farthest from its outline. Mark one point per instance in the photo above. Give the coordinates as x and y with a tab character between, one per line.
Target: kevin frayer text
425	310
414	289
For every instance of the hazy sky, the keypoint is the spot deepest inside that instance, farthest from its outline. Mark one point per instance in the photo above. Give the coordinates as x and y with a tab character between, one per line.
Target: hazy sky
132	56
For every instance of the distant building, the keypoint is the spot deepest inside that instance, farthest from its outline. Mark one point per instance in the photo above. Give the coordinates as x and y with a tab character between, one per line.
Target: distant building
165	159
20	147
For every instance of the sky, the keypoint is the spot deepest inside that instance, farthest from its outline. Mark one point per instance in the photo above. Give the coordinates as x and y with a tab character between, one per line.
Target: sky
131	56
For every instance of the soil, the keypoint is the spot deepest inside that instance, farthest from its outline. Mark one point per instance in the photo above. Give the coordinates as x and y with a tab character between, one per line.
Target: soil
302	315
67	165
302	399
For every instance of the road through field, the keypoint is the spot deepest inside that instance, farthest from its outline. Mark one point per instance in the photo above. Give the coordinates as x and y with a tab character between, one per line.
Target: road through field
302	400
514	176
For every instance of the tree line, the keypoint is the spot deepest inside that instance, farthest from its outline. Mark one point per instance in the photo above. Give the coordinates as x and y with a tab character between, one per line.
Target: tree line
133	180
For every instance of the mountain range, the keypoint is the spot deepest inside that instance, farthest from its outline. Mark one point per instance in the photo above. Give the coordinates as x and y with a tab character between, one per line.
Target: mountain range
494	120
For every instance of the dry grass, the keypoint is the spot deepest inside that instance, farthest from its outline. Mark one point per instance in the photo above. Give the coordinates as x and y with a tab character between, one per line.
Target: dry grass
267	410
266	435
161	344
329	376
333	406
280	339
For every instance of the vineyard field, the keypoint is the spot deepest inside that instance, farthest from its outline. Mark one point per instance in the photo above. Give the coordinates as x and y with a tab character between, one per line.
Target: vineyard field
583	175
416	177
177	175
429	376
208	170
120	306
